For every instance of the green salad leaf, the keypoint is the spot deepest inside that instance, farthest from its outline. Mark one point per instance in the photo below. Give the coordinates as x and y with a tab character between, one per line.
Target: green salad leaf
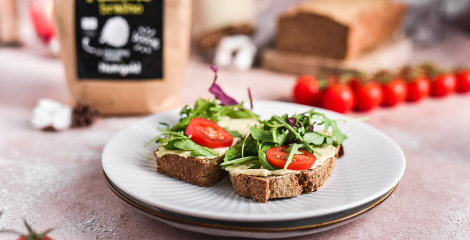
293	149
234	133
196	149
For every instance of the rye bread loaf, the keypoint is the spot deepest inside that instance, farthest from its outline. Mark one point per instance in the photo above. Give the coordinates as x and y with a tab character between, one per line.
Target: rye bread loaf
338	29
261	189
203	172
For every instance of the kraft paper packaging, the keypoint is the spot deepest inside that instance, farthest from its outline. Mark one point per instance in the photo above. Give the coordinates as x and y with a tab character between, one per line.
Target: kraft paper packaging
124	56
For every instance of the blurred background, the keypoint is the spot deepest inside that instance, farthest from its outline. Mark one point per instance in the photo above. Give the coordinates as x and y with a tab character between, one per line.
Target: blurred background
30	23
295	37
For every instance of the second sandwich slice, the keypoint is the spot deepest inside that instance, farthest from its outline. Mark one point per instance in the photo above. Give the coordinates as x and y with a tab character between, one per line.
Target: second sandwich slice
285	156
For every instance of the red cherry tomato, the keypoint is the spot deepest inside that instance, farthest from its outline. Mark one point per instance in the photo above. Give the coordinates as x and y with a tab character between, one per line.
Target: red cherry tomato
463	81
394	92
354	83
339	98
368	96
443	85
307	90
417	89
278	157
208	134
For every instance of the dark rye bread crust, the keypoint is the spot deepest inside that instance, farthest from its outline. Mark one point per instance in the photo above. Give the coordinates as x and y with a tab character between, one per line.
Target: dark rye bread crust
197	171
261	189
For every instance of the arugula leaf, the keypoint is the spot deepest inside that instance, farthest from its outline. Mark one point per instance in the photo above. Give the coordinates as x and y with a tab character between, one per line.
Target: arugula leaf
188	114
177	140
241	114
267	136
196	149
293	150
262	157
238	160
232	153
314	138
234	133
261	135
166	125
243	148
212	110
170	145
256	165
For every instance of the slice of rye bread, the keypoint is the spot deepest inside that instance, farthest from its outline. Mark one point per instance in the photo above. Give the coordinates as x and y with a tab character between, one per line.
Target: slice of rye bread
203	172
261	189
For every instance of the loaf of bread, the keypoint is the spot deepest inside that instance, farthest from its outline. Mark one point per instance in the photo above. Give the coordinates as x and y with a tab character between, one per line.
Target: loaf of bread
339	29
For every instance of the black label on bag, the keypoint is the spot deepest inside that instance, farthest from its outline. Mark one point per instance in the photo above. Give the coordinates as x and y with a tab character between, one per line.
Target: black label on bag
119	39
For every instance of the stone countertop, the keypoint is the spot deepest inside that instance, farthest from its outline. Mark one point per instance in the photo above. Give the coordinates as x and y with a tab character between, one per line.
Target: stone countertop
55	179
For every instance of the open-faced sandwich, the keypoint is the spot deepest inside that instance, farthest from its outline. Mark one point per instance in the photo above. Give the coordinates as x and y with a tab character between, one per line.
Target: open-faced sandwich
281	157
285	156
194	147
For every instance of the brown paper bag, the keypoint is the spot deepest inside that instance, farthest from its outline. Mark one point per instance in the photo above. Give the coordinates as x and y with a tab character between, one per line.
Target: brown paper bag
125	56
8	22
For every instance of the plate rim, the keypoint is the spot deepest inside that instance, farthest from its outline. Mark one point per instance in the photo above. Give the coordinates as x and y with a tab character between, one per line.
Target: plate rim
152	212
276	217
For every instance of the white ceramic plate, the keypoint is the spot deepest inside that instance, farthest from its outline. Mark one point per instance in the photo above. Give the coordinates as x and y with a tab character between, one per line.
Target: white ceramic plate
372	165
264	230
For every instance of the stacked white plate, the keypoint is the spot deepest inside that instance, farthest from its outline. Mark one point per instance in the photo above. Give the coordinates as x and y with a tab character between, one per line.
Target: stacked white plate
364	177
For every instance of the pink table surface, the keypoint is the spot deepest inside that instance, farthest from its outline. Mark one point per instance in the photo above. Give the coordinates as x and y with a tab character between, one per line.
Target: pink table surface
55	179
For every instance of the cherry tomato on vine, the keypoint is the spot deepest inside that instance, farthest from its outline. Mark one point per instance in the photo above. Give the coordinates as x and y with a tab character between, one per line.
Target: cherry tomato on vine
307	91
278	157
394	92
354	83
368	96
463	81
208	134
338	97
443	85
417	89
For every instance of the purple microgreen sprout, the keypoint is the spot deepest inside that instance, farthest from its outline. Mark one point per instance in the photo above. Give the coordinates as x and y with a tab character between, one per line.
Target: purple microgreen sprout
310	129
215	70
217	91
293	122
251	98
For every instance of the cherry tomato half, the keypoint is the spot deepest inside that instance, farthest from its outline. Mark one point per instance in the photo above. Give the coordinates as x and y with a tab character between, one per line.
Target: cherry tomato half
463	81
208	134
417	89
307	90
394	92
368	96
278	157
339	98
443	85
